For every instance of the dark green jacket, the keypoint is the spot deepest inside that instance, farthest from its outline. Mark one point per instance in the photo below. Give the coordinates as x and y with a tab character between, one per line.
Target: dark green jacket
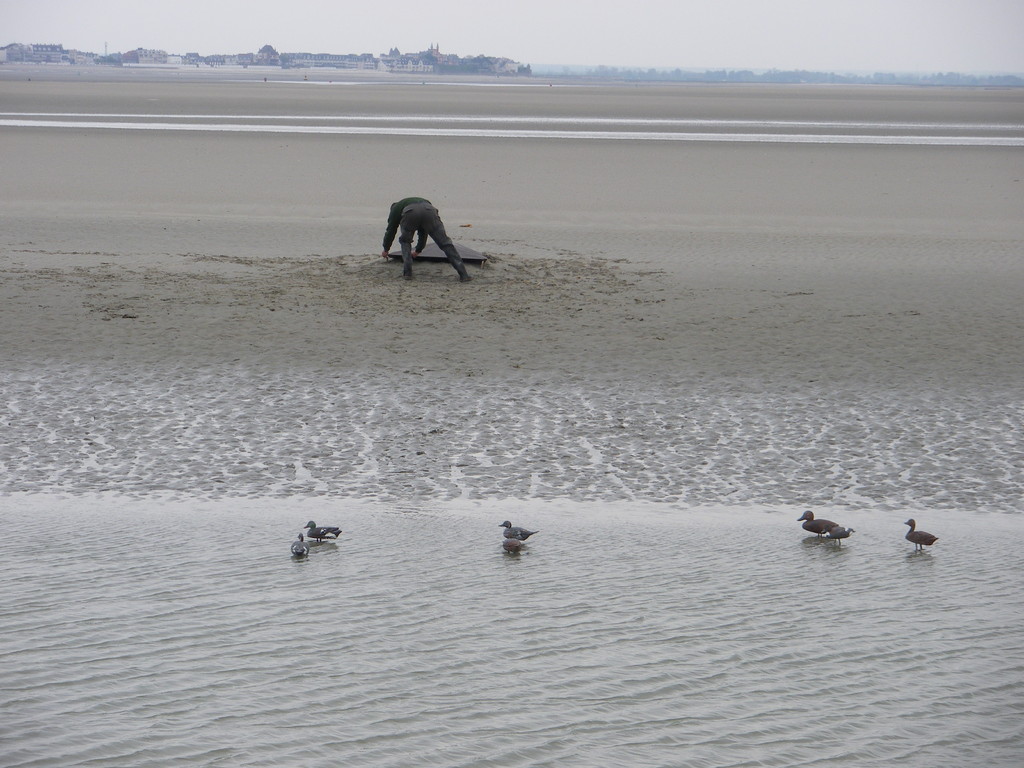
395	218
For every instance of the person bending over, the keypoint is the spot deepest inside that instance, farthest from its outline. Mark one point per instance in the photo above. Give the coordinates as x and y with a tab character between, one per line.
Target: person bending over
416	215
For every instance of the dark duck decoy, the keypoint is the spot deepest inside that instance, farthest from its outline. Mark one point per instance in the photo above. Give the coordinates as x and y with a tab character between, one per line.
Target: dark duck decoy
820	527
321	532
920	539
839	533
511	545
514	532
299	547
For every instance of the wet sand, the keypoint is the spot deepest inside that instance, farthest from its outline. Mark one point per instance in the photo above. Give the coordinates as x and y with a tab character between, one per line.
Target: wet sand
891	262
821	272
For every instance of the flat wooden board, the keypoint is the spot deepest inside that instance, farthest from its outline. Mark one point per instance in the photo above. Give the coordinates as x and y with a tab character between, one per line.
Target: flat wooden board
433	253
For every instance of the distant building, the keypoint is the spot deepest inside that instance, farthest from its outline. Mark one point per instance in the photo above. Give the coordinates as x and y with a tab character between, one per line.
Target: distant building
37	54
397	62
268	56
421	63
144	56
432	60
362	61
81	58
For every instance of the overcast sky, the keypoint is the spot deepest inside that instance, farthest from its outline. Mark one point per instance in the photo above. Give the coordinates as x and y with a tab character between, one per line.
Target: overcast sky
830	35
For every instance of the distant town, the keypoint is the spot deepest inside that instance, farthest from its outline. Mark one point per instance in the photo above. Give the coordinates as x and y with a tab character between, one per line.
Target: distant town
433	61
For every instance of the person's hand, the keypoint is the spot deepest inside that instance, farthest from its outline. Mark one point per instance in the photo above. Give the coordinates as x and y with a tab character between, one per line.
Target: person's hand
384	254
415	254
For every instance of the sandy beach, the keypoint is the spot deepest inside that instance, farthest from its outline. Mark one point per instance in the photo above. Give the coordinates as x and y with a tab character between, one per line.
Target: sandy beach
899	265
818	271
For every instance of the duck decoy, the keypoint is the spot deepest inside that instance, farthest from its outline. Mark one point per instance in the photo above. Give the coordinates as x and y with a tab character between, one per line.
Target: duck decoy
511	545
321	532
920	539
819	526
838	533
514	532
299	547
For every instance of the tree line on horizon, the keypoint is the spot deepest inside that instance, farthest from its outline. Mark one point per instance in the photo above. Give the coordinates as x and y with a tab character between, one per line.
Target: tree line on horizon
785	76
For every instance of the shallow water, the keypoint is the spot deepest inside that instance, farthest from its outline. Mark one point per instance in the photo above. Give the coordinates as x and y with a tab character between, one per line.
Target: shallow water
156	633
154	616
540	127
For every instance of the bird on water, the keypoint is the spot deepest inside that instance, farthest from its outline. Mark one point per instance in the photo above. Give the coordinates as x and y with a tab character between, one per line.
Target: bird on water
819	526
920	539
321	532
514	532
838	533
511	545
299	547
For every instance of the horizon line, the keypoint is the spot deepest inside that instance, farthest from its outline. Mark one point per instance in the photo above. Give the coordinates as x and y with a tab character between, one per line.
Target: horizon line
693	69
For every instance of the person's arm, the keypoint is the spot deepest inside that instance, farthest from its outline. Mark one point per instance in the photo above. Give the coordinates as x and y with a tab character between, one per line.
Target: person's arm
394	218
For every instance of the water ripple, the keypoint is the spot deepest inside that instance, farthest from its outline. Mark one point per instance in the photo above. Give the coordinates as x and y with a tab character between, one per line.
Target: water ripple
149	631
226	433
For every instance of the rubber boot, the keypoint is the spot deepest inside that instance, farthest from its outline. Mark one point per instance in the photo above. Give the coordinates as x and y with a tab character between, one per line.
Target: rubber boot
407	260
456	261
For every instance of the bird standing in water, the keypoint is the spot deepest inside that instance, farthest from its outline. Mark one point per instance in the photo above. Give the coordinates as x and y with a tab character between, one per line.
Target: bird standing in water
511	545
838	533
920	539
820	526
299	547
321	532
514	532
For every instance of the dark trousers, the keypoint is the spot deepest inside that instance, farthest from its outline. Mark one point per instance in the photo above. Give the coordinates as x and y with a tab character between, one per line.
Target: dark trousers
423	217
